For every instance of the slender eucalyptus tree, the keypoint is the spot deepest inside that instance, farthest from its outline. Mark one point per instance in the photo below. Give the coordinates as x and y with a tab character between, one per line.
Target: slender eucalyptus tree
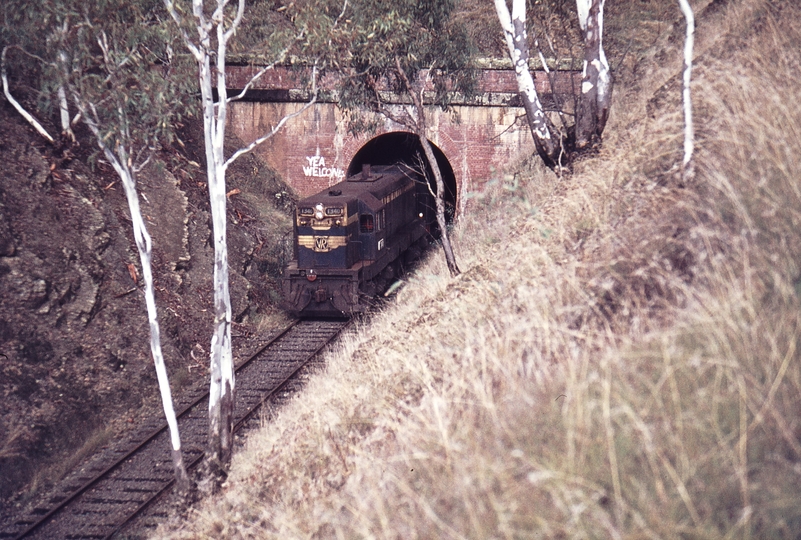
411	49
127	119
687	164
207	34
415	118
596	84
101	58
549	145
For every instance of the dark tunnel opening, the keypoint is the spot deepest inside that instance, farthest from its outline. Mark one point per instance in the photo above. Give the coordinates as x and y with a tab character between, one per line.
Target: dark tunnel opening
405	147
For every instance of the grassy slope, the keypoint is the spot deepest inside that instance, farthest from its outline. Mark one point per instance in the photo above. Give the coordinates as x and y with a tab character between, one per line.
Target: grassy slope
618	359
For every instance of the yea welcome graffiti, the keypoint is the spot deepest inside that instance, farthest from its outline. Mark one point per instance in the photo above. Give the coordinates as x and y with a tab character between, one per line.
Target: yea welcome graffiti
317	169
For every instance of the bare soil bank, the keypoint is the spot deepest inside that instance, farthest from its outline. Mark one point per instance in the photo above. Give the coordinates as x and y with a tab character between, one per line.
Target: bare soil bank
74	358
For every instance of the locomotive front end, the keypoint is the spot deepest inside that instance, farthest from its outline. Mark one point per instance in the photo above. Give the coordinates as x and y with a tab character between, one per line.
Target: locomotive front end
349	241
319	281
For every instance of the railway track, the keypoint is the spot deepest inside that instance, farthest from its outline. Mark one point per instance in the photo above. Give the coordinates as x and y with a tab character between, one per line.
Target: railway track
101	500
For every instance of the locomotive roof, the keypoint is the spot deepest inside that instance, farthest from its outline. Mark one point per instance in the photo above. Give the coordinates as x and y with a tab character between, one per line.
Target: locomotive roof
369	186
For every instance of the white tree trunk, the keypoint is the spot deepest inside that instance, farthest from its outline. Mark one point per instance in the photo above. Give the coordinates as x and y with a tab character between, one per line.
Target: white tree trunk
20	109
450	257
143	244
120	157
63	104
222	383
64	113
687	165
583	9
121	164
604	71
213	31
596	86
514	30
221	338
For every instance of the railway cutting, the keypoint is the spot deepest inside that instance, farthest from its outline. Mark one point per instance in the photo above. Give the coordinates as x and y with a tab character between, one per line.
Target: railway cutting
115	493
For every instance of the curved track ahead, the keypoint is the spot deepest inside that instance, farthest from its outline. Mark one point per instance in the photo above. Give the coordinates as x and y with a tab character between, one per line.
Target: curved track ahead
101	500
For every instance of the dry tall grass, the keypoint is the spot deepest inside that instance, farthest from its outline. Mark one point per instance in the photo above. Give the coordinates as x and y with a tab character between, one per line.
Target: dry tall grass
618	361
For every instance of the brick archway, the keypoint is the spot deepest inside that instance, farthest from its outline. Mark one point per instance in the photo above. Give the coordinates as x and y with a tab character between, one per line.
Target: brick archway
404	147
479	136
315	150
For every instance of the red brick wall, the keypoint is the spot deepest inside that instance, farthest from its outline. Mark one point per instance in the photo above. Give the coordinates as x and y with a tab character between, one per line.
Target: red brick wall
479	142
489	81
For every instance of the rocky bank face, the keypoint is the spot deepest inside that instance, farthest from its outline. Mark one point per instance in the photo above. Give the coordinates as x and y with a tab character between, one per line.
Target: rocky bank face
74	337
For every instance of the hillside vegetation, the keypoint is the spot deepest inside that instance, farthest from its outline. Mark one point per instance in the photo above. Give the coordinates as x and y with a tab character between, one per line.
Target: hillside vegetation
75	368
619	358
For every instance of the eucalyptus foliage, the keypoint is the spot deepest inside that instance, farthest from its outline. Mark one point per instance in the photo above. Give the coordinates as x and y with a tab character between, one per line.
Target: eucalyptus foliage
114	61
419	35
131	83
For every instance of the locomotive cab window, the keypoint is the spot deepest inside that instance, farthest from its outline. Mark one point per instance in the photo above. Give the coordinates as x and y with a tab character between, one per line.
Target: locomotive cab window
366	223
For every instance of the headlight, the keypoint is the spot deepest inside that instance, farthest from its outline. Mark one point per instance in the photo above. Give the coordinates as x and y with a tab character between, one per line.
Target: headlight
318	211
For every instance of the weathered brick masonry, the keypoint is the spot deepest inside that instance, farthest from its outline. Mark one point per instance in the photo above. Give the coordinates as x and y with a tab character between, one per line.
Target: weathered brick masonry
480	137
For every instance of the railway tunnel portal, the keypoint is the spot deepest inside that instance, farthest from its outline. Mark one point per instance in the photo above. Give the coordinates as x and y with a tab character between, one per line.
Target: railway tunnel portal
405	147
475	138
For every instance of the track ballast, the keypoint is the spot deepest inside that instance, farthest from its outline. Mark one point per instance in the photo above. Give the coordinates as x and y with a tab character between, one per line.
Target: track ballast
101	500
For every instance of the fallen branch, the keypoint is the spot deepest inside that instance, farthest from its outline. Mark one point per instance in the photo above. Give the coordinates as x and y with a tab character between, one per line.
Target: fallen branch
25	114
126	293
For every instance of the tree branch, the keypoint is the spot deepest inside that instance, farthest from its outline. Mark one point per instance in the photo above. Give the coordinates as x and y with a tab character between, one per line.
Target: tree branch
417	101
689	139
265	69
283	54
25	114
240	10
193	48
279	125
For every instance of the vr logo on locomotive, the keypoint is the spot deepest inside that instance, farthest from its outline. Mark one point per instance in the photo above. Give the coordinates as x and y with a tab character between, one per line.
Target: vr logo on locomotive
322	244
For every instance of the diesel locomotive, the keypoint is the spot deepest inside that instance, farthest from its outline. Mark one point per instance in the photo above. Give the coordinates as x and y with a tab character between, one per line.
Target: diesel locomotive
351	240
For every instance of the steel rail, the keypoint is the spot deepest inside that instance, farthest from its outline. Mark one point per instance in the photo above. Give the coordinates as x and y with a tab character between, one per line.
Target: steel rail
237	426
155	433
